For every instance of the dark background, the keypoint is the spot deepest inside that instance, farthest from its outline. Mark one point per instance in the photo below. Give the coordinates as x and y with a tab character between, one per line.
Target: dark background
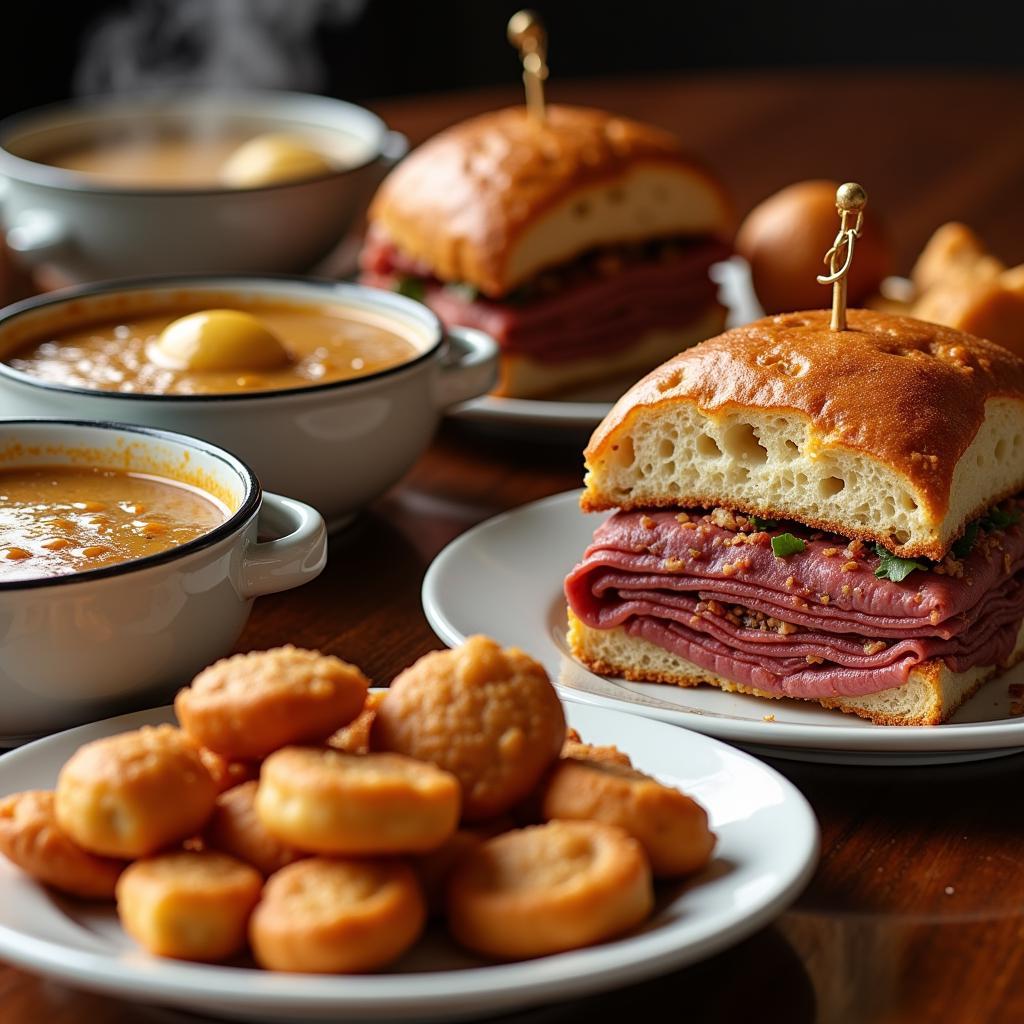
395	47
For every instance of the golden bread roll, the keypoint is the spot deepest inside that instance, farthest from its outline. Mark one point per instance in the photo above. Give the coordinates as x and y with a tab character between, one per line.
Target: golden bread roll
188	905
549	888
249	705
489	716
494	200
133	794
895	430
327	916
784	238
31	839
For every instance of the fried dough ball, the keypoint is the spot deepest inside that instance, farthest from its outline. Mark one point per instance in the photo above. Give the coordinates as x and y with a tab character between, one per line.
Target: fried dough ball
575	747
354	738
324	801
188	905
30	838
235	828
549	888
133	794
225	773
249	705
328	916
671	827
489	716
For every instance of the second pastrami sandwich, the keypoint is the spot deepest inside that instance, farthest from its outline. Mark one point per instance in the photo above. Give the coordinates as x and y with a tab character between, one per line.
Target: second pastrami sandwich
803	512
582	243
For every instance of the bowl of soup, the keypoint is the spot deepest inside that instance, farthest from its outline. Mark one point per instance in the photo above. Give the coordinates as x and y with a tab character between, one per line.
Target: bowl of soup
129	559
189	181
329	391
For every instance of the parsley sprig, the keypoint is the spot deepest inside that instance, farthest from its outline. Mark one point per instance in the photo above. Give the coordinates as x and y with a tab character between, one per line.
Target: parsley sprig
785	544
892	567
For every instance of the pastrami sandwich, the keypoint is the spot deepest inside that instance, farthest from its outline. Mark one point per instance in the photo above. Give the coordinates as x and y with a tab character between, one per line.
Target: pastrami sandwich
802	512
581	243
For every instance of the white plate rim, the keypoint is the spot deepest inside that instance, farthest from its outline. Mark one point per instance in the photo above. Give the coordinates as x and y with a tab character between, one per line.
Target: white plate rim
1005	735
479	990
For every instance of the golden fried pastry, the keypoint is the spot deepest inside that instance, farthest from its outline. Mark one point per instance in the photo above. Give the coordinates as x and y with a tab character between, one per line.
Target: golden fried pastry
191	906
235	828
30	838
329	916
248	706
225	773
435	868
133	794
324	801
575	747
671	827
489	716
354	738
549	888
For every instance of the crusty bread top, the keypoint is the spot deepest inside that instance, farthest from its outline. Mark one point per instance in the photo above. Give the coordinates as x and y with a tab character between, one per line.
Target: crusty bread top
861	431
463	200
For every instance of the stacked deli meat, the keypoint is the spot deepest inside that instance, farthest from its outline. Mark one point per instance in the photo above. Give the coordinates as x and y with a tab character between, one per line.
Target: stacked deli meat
581	244
814	514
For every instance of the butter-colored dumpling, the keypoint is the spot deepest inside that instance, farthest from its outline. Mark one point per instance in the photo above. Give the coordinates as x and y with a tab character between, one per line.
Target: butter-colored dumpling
218	339
272	158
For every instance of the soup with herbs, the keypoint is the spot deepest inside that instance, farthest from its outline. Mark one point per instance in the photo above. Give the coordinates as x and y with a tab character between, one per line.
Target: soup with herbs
58	520
211	351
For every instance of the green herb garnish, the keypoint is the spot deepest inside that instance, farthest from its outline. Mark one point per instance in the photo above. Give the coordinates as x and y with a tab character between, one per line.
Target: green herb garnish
999	519
763	524
892	567
962	547
466	292
995	519
785	544
411	288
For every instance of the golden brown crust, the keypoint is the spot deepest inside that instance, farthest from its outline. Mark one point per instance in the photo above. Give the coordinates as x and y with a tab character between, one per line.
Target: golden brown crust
488	715
908	393
249	705
30	838
461	200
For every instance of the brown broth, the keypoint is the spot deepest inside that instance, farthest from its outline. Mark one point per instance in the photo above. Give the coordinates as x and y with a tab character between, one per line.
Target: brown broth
325	343
170	160
57	520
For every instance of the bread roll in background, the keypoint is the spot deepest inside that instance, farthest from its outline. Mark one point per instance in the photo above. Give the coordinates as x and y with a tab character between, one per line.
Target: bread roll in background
785	237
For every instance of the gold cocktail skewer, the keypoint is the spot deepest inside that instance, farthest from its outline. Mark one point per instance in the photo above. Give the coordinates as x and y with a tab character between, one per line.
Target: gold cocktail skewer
850	200
526	33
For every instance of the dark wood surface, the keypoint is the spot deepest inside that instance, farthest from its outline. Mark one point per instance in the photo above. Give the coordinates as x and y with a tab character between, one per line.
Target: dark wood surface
916	912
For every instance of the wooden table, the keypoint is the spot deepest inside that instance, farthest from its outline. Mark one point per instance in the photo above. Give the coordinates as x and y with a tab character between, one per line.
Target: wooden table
917	910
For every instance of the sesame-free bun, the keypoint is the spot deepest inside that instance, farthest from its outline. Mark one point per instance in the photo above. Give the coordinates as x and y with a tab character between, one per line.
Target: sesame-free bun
893	430
496	199
931	694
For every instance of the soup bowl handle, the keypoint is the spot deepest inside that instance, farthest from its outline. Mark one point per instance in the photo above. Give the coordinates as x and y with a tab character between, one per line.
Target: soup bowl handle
296	555
470	367
36	234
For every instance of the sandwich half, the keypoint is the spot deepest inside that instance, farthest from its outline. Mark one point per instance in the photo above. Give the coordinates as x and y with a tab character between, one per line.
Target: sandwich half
582	245
808	513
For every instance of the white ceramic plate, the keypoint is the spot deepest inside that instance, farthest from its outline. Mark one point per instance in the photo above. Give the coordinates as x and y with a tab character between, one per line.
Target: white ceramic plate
767	849
504	578
579	412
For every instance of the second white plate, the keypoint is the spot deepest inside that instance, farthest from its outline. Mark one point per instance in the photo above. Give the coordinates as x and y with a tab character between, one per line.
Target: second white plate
504	578
767	848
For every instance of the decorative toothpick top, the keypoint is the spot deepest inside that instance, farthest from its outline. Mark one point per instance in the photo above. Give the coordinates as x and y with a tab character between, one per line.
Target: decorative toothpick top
526	33
850	202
